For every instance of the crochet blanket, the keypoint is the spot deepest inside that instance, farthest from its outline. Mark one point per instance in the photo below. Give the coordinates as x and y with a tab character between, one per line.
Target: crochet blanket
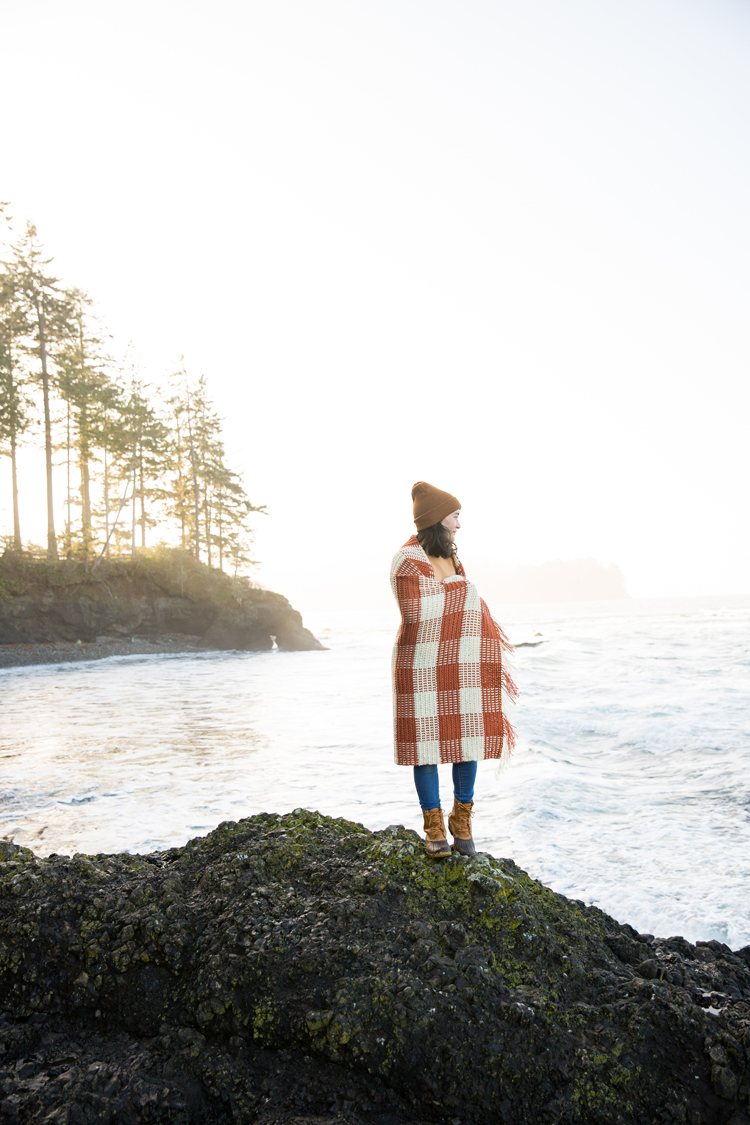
452	688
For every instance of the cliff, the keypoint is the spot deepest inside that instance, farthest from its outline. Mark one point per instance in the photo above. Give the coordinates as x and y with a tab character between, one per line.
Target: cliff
164	593
297	969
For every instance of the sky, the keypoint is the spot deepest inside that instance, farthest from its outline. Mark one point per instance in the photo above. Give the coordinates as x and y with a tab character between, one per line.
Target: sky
501	247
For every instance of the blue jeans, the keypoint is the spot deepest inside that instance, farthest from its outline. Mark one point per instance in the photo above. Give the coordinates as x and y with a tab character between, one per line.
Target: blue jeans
428	787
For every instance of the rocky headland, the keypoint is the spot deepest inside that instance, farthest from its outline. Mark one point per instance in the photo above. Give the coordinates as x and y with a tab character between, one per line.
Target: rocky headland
302	969
162	602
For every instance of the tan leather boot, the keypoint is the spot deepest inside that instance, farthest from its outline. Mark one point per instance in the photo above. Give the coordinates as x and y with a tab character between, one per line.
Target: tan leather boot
436	843
459	823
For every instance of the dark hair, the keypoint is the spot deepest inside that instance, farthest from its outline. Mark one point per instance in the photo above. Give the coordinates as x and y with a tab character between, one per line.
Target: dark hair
436	541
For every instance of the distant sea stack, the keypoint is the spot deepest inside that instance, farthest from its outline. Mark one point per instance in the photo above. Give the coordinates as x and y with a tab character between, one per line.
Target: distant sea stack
572	580
162	594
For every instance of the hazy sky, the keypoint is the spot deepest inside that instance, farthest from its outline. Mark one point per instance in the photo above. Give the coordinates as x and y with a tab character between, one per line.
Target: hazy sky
503	247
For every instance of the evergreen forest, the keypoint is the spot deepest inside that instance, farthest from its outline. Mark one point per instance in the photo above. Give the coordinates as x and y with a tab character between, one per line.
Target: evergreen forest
137	464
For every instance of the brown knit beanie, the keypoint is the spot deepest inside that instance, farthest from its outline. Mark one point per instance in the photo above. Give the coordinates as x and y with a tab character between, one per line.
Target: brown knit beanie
431	505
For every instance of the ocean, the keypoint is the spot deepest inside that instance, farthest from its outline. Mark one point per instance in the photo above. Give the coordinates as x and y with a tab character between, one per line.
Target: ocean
629	787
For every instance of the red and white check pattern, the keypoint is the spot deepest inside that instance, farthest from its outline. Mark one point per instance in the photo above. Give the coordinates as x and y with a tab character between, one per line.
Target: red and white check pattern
452	691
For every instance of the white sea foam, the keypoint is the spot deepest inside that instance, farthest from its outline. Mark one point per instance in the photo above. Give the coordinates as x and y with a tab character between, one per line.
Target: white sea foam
629	788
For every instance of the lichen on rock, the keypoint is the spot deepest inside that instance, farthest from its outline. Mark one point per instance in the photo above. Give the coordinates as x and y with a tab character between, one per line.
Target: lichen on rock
301	967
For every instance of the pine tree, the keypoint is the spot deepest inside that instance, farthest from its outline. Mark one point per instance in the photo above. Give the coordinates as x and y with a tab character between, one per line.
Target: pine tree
47	321
208	459
85	386
143	431
113	442
207	498
177	488
182	500
232	535
14	400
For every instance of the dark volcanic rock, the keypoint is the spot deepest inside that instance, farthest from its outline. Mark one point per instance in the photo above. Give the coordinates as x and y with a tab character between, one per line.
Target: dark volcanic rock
255	625
295	968
132	601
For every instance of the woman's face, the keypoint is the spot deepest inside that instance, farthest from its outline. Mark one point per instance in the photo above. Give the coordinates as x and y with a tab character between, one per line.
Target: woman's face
451	522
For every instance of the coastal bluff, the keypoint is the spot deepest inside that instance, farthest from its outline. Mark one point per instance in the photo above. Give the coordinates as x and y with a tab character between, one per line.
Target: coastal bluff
303	969
161	597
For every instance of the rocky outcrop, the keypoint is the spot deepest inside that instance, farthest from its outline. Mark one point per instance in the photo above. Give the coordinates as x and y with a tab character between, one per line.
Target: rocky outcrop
129	602
297	968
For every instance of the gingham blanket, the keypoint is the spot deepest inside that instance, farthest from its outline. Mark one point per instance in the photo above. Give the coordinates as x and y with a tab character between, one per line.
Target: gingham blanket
452	688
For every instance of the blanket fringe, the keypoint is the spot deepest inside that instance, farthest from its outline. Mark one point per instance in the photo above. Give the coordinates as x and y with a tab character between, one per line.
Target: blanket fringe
503	762
509	698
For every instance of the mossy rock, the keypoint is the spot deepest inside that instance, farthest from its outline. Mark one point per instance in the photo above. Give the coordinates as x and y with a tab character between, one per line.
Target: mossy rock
302	967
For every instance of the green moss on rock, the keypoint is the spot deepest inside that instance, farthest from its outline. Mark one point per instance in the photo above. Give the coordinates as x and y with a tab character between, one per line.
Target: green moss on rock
301	966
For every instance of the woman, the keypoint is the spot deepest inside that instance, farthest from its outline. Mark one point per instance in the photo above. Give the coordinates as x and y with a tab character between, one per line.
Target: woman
452	690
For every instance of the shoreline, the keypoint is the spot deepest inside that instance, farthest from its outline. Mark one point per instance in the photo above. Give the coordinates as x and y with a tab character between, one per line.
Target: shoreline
66	652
